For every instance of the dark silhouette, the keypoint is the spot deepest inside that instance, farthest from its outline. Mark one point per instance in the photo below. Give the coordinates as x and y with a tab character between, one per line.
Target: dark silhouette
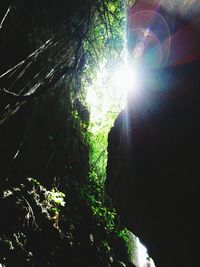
153	163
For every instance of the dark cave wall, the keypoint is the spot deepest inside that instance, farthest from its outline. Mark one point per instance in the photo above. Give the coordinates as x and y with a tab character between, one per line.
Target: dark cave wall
153	170
46	138
43	128
153	150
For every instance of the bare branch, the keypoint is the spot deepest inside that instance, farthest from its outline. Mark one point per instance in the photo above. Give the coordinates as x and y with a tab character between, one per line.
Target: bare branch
2	21
49	81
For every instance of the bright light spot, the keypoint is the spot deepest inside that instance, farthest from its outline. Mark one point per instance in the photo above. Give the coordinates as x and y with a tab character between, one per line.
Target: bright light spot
125	79
108	91
142	256
141	253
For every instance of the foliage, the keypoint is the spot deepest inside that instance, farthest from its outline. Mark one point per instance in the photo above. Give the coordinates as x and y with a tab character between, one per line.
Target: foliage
54	199
32	207
52	143
104	47
130	243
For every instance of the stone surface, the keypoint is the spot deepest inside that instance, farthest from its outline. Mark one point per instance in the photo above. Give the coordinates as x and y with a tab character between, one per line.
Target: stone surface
153	152
153	167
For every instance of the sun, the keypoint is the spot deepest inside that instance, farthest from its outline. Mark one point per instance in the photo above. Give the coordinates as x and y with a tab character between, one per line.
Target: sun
125	79
109	90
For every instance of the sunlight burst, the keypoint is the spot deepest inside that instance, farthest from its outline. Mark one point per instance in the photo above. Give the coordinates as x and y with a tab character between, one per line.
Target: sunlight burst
125	79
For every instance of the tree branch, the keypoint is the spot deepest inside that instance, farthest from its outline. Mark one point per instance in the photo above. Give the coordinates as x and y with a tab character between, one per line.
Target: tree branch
12	98
6	14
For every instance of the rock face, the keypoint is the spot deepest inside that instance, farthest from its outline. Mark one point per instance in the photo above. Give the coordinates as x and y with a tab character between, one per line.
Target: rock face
153	167
153	153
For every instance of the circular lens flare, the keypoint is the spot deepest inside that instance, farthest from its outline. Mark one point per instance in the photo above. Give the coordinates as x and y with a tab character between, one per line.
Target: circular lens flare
149	39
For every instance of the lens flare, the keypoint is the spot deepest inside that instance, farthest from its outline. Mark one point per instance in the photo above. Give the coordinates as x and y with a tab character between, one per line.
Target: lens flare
149	38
